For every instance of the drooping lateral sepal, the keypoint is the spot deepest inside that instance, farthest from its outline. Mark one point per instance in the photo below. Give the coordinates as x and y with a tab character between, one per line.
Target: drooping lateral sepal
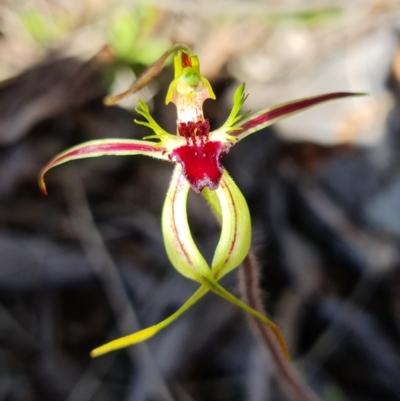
235	238
181	249
145	334
103	147
273	114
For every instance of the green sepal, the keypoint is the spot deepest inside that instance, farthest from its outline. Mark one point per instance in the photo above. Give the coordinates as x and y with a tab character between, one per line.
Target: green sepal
148	74
145	334
274	114
235	239
103	147
181	249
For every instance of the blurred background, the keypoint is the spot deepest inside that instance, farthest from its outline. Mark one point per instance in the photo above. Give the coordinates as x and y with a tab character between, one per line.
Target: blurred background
87	263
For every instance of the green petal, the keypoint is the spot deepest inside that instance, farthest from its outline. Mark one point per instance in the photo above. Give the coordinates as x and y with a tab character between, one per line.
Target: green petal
235	239
181	249
103	147
145	334
273	114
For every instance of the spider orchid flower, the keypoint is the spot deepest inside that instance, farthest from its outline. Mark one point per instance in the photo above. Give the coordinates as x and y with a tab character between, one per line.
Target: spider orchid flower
196	152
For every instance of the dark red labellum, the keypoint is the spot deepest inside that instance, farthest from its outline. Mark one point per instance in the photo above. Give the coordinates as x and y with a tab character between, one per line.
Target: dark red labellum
201	164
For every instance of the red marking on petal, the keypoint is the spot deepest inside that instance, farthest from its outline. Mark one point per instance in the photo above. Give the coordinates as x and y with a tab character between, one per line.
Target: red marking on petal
201	164
96	148
177	237
110	148
235	219
292	107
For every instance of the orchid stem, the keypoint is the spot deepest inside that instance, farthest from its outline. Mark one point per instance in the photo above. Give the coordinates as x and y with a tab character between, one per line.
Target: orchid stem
261	317
291	382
